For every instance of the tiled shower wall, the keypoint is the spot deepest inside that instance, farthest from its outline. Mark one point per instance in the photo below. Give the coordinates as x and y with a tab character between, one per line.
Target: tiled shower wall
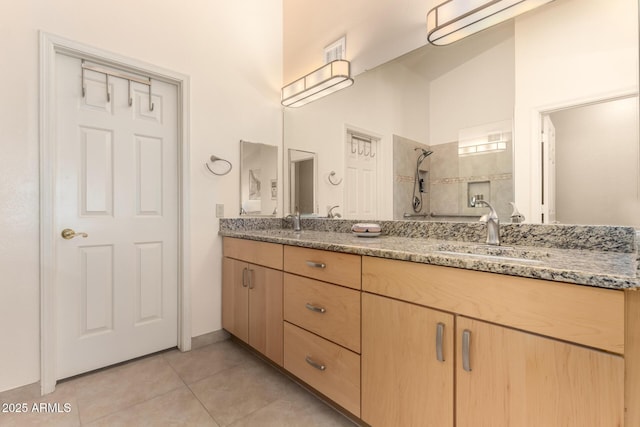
450	181
405	158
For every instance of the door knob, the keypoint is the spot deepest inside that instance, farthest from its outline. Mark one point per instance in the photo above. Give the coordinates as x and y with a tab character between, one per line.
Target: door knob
68	234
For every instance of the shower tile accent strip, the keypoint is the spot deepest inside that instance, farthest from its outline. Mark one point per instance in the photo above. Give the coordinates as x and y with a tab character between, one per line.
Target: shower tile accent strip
600	256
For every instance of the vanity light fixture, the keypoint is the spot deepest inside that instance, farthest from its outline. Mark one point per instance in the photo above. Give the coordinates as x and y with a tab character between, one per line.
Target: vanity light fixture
456	19
327	79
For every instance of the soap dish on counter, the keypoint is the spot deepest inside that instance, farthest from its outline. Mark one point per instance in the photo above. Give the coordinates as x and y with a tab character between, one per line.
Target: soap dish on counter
366	229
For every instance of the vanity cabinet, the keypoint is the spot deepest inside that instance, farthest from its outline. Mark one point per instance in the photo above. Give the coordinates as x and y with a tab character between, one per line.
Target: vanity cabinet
322	322
506	372
407	364
252	286
506	377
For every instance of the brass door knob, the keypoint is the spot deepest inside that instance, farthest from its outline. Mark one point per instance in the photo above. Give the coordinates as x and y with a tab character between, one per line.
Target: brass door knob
68	234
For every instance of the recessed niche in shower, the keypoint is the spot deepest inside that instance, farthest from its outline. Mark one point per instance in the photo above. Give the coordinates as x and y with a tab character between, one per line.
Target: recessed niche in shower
480	189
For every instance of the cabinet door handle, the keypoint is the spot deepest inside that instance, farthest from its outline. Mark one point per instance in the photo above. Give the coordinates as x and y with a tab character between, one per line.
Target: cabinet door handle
244	277
314	264
318	366
251	279
466	341
439	336
315	308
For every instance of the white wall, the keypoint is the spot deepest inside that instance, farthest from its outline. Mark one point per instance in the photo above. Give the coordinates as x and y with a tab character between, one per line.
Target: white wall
597	164
377	31
233	53
567	52
477	91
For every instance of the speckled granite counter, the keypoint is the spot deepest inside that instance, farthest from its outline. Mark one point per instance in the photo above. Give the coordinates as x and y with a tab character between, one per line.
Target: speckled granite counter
585	255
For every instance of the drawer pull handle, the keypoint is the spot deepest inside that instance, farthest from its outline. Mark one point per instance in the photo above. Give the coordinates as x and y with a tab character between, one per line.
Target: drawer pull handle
315	364
314	264
466	341
315	308
439	335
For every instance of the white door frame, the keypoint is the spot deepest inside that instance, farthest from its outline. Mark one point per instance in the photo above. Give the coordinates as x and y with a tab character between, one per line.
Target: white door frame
50	45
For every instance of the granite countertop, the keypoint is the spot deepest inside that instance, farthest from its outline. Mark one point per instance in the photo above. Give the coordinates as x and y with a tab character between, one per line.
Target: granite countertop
599	268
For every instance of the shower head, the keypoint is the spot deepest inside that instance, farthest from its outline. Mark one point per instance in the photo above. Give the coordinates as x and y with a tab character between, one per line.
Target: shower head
423	154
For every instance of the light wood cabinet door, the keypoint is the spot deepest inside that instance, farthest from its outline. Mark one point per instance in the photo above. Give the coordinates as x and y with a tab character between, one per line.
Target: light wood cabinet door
265	311
403	381
252	306
521	379
235	298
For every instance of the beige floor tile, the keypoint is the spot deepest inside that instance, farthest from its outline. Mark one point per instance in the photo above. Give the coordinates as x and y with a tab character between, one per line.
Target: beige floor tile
115	389
176	408
195	365
236	392
294	410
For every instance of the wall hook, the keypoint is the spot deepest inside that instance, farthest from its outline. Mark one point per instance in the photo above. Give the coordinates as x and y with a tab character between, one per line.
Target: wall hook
332	175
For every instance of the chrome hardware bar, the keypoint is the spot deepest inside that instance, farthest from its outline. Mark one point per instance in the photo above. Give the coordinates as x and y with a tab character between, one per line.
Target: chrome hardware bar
315	308
410	215
434	215
250	278
69	234
244	277
113	73
315	364
466	342
316	264
439	335
119	75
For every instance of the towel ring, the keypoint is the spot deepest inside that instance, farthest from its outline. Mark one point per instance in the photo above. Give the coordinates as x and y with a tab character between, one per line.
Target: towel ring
332	174
214	159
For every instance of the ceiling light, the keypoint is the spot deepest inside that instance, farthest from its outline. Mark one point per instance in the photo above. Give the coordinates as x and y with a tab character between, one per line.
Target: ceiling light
456	19
327	79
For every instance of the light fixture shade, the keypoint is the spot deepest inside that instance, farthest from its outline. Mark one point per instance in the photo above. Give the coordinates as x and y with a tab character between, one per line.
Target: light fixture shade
457	19
327	79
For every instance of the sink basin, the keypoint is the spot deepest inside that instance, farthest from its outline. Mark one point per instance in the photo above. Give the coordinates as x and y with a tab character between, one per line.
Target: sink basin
283	233
495	253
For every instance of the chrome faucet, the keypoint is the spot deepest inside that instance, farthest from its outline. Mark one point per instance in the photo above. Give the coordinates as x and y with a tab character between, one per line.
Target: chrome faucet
492	220
296	221
330	213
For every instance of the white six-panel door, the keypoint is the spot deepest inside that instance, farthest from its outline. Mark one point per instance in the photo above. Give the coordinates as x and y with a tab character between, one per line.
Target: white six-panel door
117	181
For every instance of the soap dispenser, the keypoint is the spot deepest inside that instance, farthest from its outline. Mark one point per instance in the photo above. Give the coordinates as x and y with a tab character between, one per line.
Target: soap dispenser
516	216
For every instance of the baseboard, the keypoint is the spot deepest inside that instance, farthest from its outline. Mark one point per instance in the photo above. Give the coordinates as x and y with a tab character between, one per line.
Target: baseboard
209	338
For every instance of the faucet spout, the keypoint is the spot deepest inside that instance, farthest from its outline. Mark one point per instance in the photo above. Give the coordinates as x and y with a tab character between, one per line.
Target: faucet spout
330	213
296	221
492	220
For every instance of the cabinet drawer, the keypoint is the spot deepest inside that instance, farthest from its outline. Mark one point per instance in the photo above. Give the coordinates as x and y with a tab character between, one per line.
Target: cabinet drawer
260	253
336	373
327	310
581	314
334	267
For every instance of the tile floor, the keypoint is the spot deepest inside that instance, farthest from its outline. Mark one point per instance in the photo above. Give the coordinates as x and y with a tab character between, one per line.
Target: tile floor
221	384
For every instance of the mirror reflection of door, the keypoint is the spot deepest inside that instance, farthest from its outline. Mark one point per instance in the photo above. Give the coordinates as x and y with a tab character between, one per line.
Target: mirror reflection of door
302	181
258	175
597	174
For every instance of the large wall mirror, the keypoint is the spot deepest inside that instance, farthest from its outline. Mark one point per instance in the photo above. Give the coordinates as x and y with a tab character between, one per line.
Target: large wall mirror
258	179
479	106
